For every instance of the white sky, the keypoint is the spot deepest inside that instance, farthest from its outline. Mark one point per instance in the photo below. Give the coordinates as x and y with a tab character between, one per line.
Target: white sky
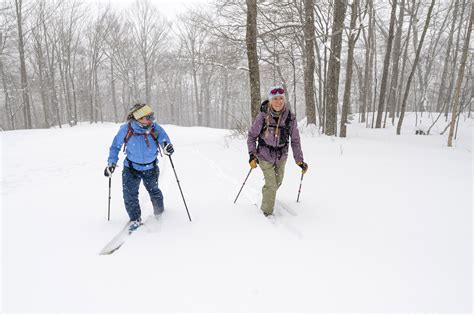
169	8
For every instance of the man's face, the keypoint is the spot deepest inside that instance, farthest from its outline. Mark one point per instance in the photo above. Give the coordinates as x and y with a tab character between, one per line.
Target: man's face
278	102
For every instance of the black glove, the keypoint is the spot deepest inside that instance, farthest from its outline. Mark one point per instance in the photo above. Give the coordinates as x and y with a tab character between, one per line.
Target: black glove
168	148
109	170
303	165
253	161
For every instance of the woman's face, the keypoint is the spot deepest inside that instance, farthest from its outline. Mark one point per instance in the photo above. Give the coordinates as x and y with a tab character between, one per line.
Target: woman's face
278	102
146	120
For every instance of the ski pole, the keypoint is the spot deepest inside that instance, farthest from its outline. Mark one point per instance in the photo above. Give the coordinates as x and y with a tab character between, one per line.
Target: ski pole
243	185
299	190
172	165
110	189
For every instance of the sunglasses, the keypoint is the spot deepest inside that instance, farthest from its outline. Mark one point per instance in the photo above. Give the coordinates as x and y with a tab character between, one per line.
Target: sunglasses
277	91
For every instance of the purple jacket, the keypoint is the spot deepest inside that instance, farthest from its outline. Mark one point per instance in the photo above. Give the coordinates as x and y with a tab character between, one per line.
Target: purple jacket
272	146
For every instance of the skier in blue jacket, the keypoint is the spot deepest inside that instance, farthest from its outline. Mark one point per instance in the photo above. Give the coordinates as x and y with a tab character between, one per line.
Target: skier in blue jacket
142	138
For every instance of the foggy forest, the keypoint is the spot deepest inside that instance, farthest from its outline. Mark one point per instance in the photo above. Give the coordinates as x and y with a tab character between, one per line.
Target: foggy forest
63	62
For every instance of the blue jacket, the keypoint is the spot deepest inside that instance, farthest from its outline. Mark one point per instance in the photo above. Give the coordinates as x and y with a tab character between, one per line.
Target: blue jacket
137	150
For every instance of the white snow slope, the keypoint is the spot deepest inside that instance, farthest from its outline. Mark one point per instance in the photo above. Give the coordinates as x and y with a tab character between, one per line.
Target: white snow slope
384	224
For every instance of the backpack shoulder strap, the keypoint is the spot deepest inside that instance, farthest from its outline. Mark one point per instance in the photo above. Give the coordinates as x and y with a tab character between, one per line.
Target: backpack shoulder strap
154	133
288	120
128	134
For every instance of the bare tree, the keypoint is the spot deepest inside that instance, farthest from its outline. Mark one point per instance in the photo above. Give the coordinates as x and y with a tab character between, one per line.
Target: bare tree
19	6
149	32
386	65
442	88
6	29
368	68
309	61
96	56
334	66
459	79
397	49
193	38
415	62
350	60
451	80
252	56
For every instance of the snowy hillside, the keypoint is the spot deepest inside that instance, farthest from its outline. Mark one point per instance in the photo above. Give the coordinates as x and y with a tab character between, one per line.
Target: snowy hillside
384	224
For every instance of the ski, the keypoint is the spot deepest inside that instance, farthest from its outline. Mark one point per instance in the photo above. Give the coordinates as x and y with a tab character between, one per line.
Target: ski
117	241
152	225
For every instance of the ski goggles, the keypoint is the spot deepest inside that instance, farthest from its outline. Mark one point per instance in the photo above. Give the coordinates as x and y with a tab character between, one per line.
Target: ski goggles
150	117
277	91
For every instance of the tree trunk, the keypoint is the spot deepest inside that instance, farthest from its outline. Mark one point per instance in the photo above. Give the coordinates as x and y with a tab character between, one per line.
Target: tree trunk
321	80
309	62
350	60
147	81
196	95
71	76
460	77
334	67
43	85
386	65
10	119
392	96
402	73
453	69
410	77
23	74
112	91
367	96
254	72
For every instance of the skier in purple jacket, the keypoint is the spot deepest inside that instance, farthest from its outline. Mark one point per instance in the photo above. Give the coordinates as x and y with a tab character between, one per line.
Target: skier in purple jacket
268	141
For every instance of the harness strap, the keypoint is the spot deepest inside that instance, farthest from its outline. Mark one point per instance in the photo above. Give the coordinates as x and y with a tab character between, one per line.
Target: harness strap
131	133
130	164
287	128
277	150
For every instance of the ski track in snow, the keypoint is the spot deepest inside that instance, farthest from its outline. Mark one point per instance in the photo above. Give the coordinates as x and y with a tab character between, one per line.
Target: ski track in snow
288	227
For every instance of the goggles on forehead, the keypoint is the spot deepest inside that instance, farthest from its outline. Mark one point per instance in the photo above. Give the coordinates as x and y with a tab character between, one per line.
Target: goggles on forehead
277	91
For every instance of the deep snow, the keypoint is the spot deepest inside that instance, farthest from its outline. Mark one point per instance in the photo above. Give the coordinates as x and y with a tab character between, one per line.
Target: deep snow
384	225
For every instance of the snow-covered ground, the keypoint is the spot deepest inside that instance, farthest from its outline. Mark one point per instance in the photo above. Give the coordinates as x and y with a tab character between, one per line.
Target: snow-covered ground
384	224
